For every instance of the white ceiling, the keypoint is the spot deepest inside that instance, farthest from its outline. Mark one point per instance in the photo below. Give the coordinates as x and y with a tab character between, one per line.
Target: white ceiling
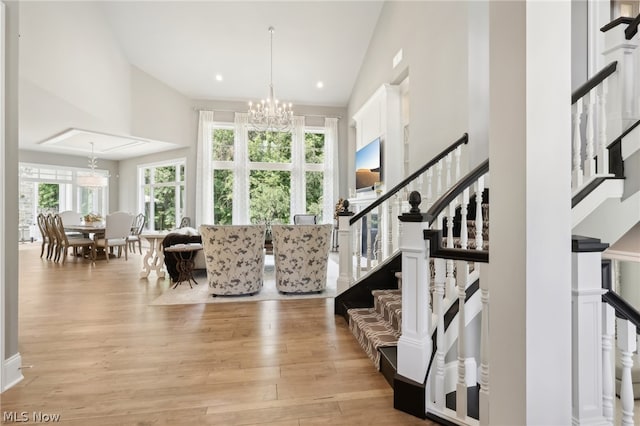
186	43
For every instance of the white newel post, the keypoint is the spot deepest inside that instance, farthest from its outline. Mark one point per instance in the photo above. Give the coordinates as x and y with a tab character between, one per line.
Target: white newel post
618	48
414	345
586	344
344	247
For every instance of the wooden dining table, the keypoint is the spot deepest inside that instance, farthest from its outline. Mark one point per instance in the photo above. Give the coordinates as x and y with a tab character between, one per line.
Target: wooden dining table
86	229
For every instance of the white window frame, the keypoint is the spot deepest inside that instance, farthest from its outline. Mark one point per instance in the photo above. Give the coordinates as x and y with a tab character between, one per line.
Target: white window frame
177	162
297	186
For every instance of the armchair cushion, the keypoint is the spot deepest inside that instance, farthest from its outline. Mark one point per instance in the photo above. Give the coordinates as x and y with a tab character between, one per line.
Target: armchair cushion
234	257
301	257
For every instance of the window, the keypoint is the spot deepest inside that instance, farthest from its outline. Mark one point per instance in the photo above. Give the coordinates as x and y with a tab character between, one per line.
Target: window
249	176
53	189
273	175
162	194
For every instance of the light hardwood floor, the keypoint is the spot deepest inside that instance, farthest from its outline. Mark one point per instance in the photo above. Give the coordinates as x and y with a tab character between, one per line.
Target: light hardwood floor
97	354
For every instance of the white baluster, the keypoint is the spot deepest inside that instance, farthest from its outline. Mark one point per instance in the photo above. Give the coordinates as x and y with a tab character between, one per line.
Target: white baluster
438	306
461	387
457	153
390	221
603	152
608	331
358	242
378	245
464	232
344	249
626	346
420	184
589	161
429	195
451	281
369	234
576	175
448	159
479	222
439	179
484	345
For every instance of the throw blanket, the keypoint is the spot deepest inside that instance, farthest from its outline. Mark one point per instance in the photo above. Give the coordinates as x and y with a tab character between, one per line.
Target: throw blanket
173	239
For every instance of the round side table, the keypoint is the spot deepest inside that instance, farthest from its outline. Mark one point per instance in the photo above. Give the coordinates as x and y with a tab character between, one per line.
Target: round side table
184	255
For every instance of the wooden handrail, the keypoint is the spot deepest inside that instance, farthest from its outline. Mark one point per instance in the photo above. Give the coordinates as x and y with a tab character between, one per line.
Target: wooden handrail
456	190
618	21
632	28
623	309
463	140
593	82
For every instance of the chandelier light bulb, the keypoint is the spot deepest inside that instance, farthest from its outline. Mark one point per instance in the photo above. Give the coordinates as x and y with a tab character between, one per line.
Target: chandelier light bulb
270	114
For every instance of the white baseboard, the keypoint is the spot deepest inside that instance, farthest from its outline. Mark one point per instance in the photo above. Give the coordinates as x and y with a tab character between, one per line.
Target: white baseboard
11	372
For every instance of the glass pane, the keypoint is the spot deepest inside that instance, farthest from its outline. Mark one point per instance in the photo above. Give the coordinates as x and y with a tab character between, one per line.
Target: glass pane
181	172
222	197
270	147
48	198
91	201
26	203
314	193
165	207
269	193
147	207
222	145
314	148
165	174
147	176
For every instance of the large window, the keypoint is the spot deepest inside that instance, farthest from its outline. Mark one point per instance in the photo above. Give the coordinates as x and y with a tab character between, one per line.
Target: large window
53	189
276	169
162	193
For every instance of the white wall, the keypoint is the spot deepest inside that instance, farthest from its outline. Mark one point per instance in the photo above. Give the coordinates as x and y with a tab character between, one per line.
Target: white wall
435	58
72	72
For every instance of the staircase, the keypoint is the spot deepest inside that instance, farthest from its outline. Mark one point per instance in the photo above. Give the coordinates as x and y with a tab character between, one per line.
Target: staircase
432	347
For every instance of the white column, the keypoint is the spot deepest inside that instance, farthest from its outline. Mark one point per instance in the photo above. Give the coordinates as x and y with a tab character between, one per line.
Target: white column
530	266
627	346
586	289
344	251
414	345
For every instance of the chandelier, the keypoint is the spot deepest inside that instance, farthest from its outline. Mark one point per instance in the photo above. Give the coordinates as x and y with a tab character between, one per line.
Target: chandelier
93	180
269	114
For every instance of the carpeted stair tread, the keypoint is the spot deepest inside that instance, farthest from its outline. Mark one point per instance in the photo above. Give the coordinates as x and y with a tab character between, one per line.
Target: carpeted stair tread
388	303
372	331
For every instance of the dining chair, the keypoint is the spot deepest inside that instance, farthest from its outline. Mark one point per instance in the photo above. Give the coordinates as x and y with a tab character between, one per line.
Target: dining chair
69	217
64	242
52	236
46	239
304	219
116	230
185	222
136	229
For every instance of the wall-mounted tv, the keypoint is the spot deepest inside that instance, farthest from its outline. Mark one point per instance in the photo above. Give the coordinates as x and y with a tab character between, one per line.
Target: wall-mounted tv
369	165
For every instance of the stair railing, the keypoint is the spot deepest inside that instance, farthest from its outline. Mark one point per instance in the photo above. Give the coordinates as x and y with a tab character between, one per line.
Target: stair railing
599	318
425	296
370	236
606	104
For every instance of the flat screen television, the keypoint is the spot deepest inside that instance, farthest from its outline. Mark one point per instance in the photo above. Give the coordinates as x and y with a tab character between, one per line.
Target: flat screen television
369	165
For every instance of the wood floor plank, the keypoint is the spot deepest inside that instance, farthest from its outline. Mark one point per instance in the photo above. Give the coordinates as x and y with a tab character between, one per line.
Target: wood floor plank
97	353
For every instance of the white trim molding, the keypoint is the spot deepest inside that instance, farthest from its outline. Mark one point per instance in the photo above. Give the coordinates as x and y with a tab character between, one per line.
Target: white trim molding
3	376
12	371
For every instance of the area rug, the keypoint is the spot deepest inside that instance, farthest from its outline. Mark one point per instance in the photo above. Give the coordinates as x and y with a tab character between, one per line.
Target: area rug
183	295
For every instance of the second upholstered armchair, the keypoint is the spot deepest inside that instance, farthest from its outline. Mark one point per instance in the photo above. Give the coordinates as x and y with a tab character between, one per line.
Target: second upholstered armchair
301	255
234	257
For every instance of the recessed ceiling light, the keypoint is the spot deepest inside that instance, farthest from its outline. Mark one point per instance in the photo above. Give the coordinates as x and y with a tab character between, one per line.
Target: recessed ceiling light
218	77
319	85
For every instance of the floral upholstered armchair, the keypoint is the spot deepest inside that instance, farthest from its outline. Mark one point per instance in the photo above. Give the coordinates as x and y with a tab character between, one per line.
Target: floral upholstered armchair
234	257
301	255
